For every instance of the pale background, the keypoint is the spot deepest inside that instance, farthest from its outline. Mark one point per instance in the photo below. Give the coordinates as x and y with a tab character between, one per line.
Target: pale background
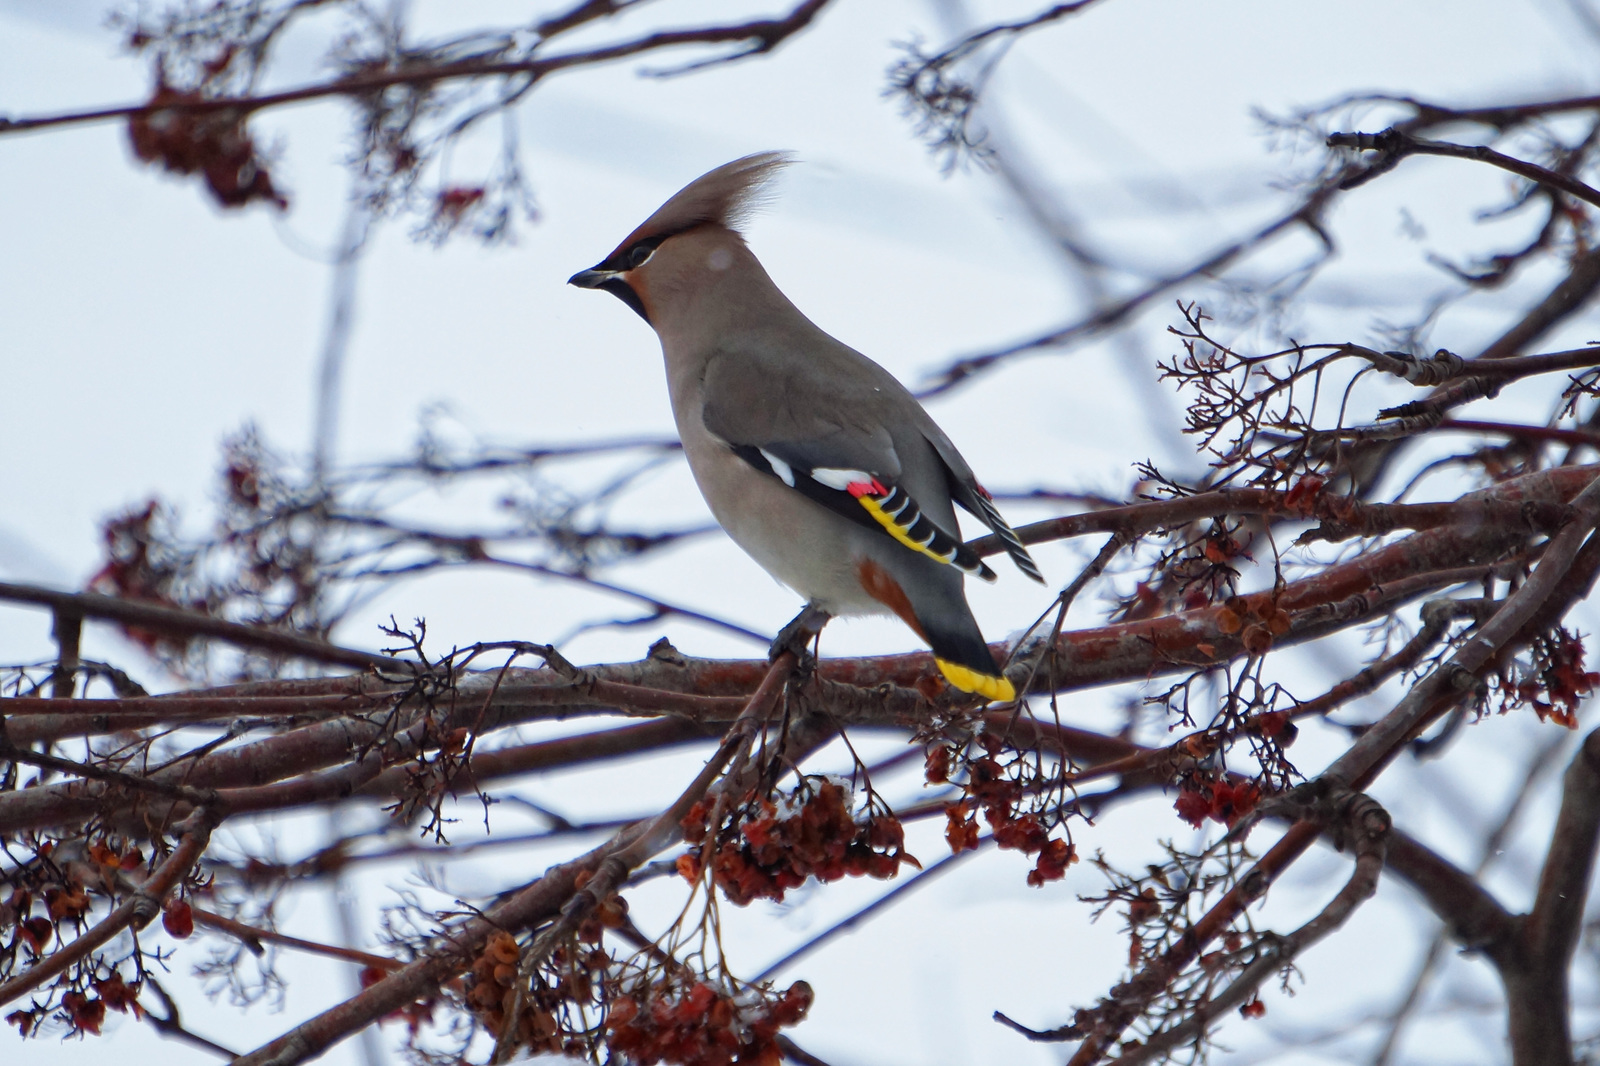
139	326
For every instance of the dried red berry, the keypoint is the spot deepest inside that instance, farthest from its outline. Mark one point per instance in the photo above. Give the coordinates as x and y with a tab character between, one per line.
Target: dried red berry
178	919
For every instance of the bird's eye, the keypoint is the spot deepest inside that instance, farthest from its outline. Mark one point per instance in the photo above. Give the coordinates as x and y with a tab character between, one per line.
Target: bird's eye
640	254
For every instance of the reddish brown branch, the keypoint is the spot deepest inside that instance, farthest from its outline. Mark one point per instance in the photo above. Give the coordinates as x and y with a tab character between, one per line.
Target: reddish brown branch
252	937
178	708
300	751
759	36
543	900
175	622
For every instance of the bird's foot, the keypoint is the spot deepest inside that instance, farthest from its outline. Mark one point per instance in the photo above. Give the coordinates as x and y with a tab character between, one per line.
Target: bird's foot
799	634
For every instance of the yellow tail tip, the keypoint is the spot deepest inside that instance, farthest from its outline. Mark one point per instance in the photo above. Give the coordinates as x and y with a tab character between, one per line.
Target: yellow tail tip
990	686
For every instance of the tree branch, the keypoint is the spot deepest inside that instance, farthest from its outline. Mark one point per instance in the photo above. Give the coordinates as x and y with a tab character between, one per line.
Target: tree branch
194	624
138	910
1536	978
759	36
546	899
1394	144
1355	819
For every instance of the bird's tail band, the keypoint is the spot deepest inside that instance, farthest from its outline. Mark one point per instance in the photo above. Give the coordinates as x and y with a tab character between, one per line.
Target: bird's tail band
994	686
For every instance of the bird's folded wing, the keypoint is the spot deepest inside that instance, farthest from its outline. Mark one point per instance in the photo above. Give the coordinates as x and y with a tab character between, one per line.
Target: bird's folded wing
965	490
784	426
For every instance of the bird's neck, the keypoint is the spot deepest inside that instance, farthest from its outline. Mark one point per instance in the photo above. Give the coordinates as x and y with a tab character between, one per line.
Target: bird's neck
718	312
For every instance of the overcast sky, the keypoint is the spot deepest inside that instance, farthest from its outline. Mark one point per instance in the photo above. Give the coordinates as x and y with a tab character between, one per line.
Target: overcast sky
140	326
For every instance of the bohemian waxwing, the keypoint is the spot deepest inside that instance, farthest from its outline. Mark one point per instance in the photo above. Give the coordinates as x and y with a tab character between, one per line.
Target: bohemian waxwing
816	461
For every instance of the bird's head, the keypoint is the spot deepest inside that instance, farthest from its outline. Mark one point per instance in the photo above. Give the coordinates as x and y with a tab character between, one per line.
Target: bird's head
692	236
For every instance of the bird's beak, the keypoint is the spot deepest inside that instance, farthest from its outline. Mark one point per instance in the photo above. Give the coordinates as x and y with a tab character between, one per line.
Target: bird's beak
592	278
613	281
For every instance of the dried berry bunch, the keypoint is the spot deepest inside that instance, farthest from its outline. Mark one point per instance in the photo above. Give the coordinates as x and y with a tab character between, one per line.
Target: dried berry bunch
83	1011
48	908
551	1012
1554	683
1224	799
701	1026
776	846
216	145
268	560
1021	817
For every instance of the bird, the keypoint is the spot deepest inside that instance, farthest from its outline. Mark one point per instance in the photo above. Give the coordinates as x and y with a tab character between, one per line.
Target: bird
817	461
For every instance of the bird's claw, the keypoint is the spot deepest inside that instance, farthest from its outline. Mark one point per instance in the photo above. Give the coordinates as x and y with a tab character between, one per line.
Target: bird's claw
798	636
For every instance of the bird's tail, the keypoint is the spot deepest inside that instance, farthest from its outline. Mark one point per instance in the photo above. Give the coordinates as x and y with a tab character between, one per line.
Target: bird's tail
935	606
963	656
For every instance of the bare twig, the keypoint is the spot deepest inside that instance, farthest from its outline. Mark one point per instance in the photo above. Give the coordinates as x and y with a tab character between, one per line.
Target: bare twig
1395	144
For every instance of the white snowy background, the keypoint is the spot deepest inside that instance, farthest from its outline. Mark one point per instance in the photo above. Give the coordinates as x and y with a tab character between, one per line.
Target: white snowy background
140	326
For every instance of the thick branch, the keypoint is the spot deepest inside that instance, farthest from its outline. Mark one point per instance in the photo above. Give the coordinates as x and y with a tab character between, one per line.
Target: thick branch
544	899
1536	979
1475	918
176	622
1557	916
853	689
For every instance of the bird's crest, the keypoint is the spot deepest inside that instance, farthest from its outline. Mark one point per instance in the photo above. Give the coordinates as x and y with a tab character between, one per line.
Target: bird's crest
727	196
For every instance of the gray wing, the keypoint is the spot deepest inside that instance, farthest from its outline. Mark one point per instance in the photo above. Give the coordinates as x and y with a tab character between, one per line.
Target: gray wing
831	407
825	431
789	403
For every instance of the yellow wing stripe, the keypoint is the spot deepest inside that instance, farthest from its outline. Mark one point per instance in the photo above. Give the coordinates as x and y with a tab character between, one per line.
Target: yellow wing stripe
898	532
996	688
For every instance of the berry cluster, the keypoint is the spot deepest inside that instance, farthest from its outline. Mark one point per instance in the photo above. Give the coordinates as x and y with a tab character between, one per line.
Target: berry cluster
773	849
703	1027
66	898
1557	682
491	984
215	145
54	898
84	1009
991	789
1222	800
